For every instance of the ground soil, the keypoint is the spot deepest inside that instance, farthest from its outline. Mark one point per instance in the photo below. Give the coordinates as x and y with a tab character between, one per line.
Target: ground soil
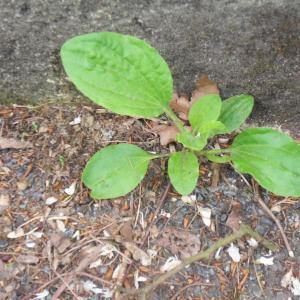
56	238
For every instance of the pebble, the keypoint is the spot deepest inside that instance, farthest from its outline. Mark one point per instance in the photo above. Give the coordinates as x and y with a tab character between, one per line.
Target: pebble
4	202
3	244
22	185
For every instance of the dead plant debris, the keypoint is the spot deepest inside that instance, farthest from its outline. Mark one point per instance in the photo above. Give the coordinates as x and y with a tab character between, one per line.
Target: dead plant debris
57	243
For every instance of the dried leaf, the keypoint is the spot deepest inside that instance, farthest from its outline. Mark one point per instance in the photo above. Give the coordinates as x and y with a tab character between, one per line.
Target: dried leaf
16	234
181	105
191	199
96	263
205	214
9	143
60	225
71	189
170	264
180	242
234	218
50	201
204	86
41	295
138	254
138	279
286	280
252	242
126	231
167	133
267	261
76	121
234	253
295	286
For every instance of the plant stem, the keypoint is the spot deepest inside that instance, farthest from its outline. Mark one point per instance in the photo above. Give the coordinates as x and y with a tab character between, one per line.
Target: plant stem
214	151
169	112
154	156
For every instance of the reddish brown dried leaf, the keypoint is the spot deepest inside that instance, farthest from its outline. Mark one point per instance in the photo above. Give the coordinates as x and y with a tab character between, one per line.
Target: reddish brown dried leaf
234	218
204	86
126	231
181	105
167	133
180	242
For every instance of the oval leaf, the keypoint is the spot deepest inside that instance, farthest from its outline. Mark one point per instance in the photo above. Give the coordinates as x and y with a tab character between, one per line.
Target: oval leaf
115	170
234	111
204	110
271	157
183	170
120	72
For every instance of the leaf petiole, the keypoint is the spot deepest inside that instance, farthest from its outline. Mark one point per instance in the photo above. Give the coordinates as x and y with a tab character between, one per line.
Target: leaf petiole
214	151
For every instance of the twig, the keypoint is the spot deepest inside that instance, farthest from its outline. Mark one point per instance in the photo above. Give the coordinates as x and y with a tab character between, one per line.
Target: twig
258	198
257	278
80	268
244	230
66	284
190	285
215	174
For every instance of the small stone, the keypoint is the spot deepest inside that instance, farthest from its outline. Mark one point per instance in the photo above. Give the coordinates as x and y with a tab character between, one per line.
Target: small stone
3	244
4	202
28	259
89	121
22	185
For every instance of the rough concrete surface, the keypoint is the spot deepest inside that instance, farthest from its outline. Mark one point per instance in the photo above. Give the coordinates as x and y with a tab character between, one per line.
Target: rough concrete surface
246	46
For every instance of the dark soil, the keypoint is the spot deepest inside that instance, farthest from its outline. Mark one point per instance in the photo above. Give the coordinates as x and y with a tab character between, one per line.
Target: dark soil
58	237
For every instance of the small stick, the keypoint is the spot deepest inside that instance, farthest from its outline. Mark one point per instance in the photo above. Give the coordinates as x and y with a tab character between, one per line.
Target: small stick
258	198
190	285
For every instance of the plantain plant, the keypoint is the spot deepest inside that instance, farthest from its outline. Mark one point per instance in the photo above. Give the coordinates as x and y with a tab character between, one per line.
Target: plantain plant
126	75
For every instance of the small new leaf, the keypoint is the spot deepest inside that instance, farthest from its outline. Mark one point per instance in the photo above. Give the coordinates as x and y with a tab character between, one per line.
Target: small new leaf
204	110
115	170
183	170
271	157
192	142
235	111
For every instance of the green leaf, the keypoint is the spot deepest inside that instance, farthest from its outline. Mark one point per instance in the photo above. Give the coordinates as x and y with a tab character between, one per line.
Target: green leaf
235	111
271	157
120	72
204	110
218	159
190	141
183	170
212	128
115	170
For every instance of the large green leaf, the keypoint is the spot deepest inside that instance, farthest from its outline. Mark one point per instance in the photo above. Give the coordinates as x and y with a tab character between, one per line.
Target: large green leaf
234	111
204	110
183	170
270	156
119	72
115	170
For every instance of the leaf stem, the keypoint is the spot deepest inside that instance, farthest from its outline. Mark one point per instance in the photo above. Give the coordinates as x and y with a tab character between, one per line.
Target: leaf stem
169	112
154	156
214	151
